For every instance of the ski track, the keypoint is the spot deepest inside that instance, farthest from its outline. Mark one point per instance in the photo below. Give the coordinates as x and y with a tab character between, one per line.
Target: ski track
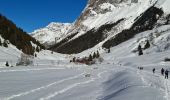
71	87
166	85
99	75
165	81
25	70
167	92
142	78
42	87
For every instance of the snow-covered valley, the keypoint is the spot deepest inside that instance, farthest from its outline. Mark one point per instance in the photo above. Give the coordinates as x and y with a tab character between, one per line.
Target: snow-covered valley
111	80
53	77
129	39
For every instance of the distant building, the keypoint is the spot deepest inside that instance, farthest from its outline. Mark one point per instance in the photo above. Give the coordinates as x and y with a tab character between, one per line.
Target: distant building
134	1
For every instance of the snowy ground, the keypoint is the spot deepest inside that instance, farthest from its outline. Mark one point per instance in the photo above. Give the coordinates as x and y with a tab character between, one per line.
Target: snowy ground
115	79
52	77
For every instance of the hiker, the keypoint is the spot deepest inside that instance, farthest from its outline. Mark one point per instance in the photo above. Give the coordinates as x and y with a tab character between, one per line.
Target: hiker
162	71
166	74
140	68
153	70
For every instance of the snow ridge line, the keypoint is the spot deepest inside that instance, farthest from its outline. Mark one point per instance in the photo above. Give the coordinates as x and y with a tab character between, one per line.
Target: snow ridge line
42	87
72	86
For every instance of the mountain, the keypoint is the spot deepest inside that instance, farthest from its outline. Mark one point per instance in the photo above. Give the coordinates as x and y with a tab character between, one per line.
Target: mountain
11	34
120	74
52	33
107	23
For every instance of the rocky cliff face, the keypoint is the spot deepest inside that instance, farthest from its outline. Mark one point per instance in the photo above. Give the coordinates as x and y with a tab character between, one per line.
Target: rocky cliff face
106	23
97	7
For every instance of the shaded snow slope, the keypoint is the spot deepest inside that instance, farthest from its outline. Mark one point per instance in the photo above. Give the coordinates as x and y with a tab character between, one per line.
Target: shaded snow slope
131	84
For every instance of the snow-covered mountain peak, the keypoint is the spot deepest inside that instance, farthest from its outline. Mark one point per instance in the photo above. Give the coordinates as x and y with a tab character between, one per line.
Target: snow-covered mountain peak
103	11
105	23
57	25
51	33
112	22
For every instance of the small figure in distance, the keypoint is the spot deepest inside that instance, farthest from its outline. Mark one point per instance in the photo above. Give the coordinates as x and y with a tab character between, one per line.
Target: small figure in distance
153	70
166	74
162	71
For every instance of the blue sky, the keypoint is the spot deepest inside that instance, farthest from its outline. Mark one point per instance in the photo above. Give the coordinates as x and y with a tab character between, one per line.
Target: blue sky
34	14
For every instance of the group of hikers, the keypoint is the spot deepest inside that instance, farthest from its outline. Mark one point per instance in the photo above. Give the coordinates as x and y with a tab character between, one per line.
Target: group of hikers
163	72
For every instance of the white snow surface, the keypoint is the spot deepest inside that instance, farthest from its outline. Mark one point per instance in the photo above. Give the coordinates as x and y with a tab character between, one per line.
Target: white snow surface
53	77
51	33
126	10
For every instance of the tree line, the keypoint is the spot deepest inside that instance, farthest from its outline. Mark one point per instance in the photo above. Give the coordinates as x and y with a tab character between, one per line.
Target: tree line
16	36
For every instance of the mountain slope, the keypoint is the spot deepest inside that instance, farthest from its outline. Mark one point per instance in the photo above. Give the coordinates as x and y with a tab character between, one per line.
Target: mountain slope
145	22
124	18
16	36
52	33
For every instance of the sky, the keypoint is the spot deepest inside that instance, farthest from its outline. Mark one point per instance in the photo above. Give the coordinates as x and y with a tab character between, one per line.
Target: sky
34	14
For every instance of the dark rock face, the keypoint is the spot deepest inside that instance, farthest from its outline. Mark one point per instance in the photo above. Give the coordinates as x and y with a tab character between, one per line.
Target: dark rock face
84	42
65	40
143	23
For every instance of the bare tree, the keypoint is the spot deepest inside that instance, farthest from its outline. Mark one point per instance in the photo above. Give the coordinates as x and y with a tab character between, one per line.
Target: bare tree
25	60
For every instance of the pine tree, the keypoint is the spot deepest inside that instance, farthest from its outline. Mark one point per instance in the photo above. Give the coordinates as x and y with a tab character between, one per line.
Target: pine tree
109	50
5	44
140	50
7	64
90	57
94	55
98	55
147	45
35	55
74	59
37	49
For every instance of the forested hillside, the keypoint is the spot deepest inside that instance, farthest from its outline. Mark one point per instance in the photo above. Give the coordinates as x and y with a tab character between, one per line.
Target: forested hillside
16	36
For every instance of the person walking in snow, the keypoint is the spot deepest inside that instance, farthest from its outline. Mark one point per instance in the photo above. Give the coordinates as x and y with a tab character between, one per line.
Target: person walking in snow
153	70
166	74
162	71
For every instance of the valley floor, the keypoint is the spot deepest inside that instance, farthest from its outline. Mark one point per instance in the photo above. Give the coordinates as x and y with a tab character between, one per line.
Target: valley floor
111	80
